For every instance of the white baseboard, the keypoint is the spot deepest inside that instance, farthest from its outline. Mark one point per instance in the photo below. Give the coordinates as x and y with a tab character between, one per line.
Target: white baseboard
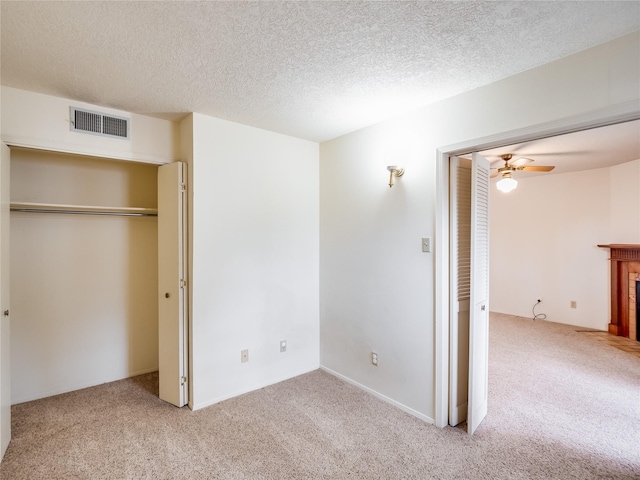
198	406
379	395
73	388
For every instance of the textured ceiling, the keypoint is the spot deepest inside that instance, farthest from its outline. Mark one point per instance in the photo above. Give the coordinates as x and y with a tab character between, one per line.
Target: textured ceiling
314	70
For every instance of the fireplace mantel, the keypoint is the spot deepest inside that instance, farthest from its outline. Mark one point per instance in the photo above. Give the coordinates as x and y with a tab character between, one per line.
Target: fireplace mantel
625	259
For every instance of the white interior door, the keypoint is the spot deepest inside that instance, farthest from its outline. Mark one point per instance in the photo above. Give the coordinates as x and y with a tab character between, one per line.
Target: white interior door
172	288
460	261
5	371
479	294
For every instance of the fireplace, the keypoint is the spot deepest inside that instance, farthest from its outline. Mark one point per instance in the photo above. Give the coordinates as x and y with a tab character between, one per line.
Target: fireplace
625	291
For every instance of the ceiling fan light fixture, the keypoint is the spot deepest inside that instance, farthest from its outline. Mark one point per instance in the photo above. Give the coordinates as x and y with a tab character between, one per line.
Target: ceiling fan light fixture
506	183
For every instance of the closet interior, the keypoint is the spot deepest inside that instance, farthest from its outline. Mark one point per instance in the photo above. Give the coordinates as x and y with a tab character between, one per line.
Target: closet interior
84	271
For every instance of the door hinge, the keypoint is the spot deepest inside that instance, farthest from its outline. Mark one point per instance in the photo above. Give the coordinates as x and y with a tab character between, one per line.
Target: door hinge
183	380
183	283
183	187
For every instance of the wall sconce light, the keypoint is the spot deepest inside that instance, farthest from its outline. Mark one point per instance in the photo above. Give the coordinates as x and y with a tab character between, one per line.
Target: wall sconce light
394	171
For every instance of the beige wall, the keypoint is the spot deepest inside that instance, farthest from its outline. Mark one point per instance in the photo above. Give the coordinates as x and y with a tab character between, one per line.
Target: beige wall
83	288
376	286
544	238
256	226
625	203
254	233
254	256
42	121
545	234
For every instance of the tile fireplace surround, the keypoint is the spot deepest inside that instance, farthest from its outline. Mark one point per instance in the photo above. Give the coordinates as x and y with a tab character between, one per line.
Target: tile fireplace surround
625	271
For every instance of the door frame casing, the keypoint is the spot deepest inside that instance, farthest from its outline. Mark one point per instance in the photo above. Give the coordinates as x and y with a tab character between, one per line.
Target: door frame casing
9	142
619	113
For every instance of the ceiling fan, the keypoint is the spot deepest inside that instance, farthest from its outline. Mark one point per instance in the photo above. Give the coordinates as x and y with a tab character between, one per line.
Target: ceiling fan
507	183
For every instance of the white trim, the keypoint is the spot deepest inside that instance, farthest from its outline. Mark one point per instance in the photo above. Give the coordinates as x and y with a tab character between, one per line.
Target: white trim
379	395
51	146
441	250
36	144
622	112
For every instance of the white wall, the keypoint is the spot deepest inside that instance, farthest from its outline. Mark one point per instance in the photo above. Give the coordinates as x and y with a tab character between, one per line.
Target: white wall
84	306
377	288
81	286
254	231
543	242
255	217
625	203
544	238
42	121
254	253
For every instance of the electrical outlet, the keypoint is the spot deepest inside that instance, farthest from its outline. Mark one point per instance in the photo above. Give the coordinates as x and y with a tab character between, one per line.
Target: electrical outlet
244	356
283	346
574	304
374	358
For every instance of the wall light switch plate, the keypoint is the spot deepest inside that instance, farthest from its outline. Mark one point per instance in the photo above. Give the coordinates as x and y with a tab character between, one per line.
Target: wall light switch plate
426	244
244	356
283	346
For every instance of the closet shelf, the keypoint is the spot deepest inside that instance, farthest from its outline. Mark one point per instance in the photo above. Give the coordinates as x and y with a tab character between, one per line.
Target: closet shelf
82	209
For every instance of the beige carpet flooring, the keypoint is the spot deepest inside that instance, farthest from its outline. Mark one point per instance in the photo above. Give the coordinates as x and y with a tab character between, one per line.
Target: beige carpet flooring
562	406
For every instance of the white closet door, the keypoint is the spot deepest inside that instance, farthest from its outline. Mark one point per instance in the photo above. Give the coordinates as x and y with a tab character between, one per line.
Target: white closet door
460	237
479	302
5	371
172	288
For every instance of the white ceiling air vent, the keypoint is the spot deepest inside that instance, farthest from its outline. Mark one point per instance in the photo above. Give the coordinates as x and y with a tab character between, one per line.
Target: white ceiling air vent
97	123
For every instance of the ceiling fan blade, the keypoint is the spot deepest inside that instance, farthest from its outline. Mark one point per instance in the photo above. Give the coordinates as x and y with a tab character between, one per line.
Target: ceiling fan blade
495	174
519	162
537	168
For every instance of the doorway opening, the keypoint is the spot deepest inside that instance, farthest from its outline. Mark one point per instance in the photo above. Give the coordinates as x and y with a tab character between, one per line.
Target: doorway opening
85	271
607	116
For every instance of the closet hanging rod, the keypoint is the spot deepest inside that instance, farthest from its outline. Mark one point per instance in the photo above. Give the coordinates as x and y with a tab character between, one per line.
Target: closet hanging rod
28	207
83	212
